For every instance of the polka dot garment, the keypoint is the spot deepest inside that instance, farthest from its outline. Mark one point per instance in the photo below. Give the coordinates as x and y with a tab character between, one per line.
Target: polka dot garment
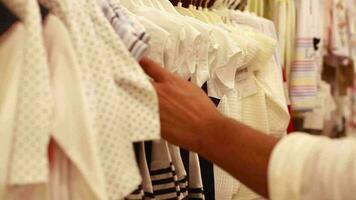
124	105
29	162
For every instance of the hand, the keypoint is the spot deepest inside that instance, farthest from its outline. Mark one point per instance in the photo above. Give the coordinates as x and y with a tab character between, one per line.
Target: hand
186	112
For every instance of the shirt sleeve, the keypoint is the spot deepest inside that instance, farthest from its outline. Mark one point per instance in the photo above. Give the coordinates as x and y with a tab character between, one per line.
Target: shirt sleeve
310	167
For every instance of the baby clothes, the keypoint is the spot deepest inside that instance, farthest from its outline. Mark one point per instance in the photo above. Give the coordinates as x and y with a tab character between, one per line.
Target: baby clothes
145	190
117	90
160	42
71	119
162	171
132	33
34	110
303	75
11	58
182	179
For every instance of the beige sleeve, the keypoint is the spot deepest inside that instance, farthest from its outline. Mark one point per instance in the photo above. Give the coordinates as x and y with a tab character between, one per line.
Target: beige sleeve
310	167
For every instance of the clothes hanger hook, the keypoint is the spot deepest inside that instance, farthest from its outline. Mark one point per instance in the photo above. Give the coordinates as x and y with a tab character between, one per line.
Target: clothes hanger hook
207	3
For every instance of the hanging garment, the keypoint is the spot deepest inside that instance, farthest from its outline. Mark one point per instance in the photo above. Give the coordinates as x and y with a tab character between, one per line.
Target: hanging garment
248	102
338	71
340	41
195	188
224	67
206	45
132	33
71	119
186	71
117	90
145	190
162	171
303	75
161	45
34	108
11	58
270	73
182	179
283	14
183	59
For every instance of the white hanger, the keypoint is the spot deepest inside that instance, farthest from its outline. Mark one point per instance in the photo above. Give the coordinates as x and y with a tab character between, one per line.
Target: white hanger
183	11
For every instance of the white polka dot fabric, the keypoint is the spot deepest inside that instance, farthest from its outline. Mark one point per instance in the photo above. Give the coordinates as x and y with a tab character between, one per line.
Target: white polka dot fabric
11	49
124	105
34	105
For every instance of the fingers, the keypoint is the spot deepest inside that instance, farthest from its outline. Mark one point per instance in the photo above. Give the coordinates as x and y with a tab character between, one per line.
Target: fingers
153	69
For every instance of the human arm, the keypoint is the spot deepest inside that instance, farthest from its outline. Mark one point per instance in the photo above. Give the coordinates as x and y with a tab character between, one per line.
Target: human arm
300	166
189	119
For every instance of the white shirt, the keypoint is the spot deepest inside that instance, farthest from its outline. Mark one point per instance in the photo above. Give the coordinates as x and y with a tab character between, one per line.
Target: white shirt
11	52
310	168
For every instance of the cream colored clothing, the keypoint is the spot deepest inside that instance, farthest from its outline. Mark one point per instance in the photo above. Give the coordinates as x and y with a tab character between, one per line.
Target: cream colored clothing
185	39
71	120
225	64
283	14
202	74
11	57
160	42
34	108
123	103
304	167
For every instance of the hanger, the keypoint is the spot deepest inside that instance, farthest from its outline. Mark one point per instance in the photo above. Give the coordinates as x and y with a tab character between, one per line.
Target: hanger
191	6
200	14
182	10
222	10
7	18
216	19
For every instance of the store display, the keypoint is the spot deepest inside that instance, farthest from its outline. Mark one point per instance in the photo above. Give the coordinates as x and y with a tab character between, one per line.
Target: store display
79	119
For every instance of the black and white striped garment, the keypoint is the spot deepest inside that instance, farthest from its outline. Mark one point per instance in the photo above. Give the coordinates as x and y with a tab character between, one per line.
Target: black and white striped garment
195	181
145	190
182	180
163	174
195	190
131	32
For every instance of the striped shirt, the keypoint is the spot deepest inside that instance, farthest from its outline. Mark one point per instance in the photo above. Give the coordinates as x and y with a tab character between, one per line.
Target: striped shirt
303	74
131	32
